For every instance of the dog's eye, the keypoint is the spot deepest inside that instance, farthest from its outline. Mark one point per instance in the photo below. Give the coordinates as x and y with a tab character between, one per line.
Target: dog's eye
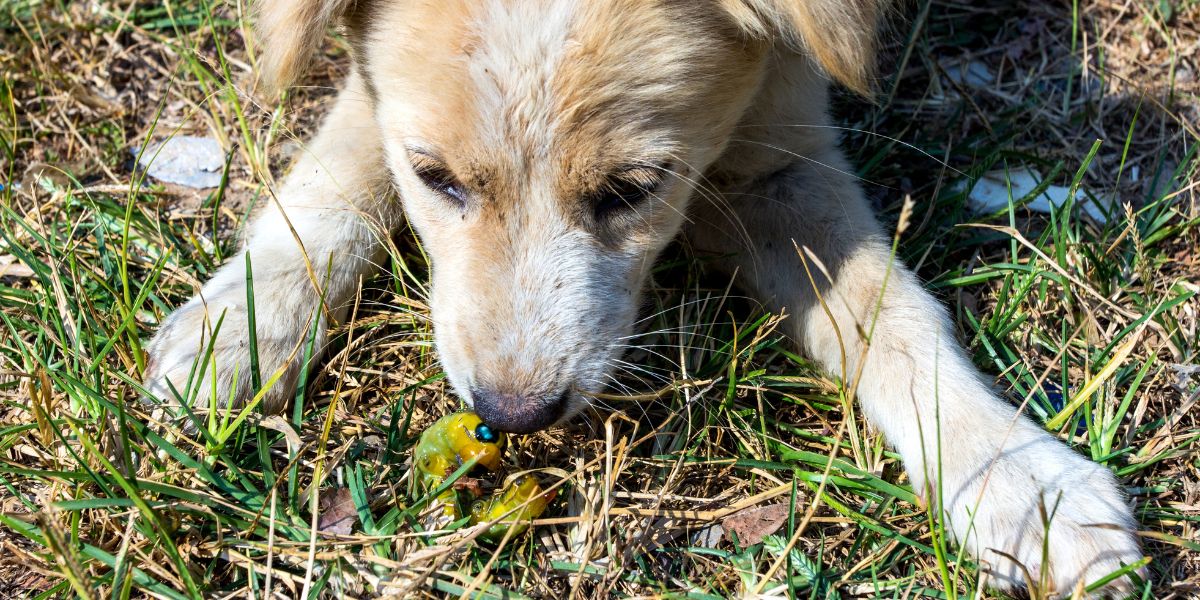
626	190
443	182
437	177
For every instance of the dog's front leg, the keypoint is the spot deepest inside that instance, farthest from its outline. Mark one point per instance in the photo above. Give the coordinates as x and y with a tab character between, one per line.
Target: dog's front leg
316	239
960	442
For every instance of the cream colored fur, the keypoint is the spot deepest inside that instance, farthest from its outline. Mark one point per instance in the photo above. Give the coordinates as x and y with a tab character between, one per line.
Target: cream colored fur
531	105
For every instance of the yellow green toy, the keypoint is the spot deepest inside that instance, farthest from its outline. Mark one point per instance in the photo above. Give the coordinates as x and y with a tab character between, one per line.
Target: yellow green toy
454	440
521	502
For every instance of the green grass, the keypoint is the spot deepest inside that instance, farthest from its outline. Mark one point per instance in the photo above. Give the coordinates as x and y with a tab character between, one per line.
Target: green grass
1093	326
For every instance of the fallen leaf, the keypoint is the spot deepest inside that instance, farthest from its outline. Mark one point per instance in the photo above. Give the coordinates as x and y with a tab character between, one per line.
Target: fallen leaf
337	512
291	438
469	484
753	524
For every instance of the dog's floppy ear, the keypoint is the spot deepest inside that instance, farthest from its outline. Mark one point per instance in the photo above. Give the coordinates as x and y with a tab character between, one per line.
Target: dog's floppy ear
289	32
839	34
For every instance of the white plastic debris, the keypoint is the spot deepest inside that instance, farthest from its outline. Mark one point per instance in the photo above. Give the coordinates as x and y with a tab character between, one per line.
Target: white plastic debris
973	74
185	160
992	192
710	536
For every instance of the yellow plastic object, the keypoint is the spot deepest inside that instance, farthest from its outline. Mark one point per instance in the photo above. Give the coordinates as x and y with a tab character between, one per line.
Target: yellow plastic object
451	441
521	501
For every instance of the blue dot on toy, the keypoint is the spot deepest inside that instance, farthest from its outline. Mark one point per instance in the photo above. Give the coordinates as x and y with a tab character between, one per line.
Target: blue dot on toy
484	433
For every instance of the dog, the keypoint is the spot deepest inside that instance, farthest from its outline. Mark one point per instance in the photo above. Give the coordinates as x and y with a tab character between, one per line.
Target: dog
546	152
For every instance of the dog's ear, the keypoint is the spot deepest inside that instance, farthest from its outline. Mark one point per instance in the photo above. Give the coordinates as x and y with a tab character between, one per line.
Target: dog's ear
289	32
839	34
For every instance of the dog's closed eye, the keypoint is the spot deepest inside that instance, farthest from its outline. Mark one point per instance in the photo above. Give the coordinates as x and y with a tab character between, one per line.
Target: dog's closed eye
437	177
627	189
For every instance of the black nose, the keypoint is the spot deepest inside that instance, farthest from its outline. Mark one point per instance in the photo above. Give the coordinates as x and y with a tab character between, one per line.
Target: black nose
518	413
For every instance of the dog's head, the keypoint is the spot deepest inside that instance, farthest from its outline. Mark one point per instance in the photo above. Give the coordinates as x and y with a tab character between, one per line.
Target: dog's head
546	152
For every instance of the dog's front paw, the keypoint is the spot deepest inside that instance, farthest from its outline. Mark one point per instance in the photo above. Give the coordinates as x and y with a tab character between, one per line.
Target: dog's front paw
1041	515
201	355
187	365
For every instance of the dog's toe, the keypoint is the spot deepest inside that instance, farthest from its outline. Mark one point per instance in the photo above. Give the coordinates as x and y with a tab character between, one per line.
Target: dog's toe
1048	519
187	366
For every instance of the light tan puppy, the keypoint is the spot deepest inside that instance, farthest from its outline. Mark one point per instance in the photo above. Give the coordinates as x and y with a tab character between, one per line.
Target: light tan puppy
546	151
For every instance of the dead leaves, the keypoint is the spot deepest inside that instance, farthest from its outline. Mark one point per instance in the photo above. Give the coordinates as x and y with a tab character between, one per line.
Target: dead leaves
750	526
337	514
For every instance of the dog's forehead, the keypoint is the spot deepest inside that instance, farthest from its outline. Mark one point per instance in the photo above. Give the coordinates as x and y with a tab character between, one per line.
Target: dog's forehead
573	81
544	66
